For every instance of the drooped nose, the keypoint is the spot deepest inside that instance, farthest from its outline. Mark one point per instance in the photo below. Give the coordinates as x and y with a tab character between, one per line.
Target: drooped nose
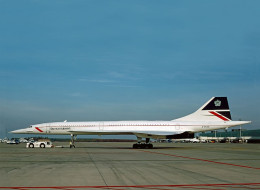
22	131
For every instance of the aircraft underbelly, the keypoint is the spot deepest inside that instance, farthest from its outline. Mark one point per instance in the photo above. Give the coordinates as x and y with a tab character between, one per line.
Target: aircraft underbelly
128	130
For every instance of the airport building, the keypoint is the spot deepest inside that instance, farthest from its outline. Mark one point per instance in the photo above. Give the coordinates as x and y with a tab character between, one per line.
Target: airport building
235	135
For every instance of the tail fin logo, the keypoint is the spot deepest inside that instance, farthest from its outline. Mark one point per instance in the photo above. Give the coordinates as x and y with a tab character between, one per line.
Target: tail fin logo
217	103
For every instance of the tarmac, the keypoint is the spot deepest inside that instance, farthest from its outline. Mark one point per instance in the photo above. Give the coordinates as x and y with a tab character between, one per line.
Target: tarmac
115	165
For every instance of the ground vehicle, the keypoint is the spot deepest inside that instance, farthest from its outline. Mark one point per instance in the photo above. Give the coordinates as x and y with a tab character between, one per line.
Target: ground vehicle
13	141
37	144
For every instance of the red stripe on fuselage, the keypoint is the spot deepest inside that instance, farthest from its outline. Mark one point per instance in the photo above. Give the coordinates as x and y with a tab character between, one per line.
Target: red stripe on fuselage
219	116
38	129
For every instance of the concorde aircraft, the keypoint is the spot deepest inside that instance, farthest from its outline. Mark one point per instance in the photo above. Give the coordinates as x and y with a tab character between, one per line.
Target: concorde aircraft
213	115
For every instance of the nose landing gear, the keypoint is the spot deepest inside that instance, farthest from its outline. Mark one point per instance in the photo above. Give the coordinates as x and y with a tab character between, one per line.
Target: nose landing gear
73	138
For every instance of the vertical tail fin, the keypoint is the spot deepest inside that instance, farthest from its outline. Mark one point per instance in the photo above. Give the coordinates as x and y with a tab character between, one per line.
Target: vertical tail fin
216	109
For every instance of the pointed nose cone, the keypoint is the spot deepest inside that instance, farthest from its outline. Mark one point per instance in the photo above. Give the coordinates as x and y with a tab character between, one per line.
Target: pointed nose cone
20	131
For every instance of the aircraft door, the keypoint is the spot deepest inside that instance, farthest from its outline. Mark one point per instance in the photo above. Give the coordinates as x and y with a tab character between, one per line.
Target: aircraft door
47	128
101	126
177	127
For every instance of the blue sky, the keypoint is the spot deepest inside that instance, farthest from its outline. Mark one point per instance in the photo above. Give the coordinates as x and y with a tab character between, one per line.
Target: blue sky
126	60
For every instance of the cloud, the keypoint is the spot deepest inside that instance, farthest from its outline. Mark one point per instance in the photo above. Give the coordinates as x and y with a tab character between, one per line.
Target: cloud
124	86
115	74
96	80
126	75
115	79
75	94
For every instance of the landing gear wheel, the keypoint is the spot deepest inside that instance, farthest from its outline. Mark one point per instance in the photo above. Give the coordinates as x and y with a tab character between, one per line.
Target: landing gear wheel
142	146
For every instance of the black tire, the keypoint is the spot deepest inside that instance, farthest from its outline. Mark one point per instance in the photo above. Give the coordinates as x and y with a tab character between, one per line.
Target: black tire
31	145
137	146
42	145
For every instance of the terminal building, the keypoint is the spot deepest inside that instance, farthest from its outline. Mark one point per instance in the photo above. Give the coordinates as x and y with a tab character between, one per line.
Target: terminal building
235	135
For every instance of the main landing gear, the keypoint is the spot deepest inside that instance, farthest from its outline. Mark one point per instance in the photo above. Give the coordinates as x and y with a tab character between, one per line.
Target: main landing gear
146	145
72	142
142	146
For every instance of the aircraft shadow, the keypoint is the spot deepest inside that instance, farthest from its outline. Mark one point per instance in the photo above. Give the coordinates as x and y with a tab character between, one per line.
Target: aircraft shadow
127	148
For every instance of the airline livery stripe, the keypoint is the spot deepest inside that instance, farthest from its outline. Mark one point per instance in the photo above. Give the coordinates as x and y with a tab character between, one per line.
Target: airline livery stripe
38	129
219	116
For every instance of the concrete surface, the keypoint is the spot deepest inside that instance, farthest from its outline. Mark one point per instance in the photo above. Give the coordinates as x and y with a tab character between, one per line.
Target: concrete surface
118	166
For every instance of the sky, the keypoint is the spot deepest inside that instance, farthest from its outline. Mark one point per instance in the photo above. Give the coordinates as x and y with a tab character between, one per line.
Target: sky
100	60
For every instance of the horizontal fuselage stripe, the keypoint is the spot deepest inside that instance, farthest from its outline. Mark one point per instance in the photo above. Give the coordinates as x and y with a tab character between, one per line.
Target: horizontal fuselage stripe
133	125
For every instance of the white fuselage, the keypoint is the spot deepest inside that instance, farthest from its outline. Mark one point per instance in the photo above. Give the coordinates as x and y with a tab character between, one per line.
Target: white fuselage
213	115
147	128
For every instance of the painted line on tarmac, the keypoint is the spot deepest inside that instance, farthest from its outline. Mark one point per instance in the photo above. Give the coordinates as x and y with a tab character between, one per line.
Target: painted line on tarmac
116	187
199	159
